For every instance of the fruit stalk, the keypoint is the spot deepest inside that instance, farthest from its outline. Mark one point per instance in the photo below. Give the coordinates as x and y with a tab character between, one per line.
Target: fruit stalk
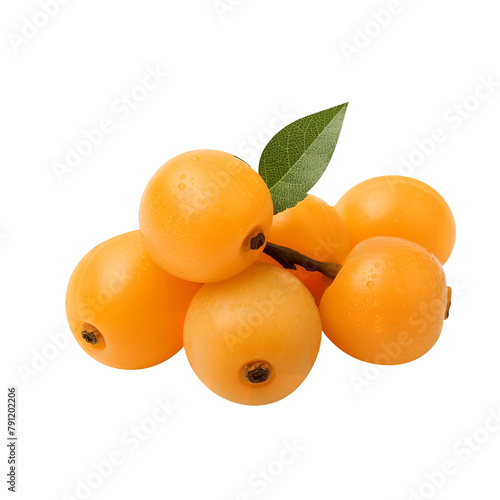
290	258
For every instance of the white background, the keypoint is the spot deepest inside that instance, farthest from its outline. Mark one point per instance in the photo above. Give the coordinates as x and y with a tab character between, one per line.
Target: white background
361	432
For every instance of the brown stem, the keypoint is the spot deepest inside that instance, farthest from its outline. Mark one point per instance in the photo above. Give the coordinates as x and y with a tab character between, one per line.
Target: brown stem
289	258
448	304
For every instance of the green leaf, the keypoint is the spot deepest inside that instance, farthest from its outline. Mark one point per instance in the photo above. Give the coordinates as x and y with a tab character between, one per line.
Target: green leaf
297	156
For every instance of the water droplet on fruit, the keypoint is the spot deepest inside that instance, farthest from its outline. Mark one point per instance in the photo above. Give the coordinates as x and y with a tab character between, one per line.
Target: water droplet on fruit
370	284
182	186
391	264
377	265
374	276
183	176
231	308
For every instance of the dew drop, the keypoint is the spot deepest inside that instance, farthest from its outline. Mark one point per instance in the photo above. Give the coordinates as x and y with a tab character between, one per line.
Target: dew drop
231	307
391	264
377	265
182	186
374	276
183	176
370	284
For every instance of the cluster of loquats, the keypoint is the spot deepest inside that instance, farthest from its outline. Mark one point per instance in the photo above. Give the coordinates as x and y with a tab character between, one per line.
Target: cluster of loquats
213	268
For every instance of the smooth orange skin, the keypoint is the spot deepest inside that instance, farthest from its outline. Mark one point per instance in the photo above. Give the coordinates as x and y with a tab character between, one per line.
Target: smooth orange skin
199	212
387	304
313	228
264	313
393	205
138	308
